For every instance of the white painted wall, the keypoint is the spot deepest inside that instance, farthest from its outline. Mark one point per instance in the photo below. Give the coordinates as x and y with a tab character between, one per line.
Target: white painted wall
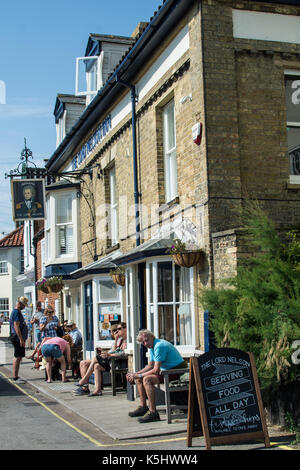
266	26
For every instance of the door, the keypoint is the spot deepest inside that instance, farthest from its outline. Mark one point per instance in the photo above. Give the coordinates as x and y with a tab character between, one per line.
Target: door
88	316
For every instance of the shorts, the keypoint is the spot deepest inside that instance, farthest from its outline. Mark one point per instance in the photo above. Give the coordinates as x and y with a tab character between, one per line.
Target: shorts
19	350
51	350
37	336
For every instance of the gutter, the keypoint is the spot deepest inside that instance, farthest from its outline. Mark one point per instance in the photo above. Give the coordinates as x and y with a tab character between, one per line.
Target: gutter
134	150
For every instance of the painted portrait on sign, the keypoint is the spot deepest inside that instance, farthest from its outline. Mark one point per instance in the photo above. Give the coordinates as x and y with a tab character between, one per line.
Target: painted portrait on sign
28	197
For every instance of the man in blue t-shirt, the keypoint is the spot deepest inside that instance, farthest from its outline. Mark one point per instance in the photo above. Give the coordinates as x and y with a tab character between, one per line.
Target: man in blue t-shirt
18	336
162	356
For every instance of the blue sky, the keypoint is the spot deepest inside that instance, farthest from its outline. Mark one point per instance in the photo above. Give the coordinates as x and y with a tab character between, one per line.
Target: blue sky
39	42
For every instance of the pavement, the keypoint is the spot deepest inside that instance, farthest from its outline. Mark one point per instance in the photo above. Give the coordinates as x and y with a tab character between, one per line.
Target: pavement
105	412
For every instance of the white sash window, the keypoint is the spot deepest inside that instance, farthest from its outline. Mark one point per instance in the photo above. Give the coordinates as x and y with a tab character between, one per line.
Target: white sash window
170	163
170	309
64	225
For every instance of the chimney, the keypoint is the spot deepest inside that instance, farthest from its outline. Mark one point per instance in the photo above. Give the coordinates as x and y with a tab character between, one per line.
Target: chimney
139	29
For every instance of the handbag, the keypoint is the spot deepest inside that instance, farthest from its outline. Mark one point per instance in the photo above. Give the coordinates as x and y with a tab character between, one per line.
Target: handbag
104	362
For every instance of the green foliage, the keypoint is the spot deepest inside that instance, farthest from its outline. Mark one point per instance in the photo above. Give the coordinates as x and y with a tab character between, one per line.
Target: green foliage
259	309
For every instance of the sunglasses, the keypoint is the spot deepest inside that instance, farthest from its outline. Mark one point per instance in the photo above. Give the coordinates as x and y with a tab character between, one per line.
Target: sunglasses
118	329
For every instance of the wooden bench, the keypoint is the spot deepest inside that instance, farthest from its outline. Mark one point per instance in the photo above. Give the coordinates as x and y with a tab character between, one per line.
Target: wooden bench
169	387
118	367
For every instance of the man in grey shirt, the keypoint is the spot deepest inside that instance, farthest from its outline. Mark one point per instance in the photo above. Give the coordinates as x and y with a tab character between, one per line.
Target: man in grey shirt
35	320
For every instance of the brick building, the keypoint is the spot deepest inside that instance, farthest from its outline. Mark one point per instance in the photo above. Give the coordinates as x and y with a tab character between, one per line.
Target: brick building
133	175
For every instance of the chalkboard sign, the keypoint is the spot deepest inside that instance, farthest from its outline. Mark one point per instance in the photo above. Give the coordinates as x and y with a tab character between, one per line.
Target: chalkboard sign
228	398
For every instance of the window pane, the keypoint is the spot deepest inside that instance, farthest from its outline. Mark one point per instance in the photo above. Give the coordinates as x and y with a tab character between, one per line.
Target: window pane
294	149
183	324
64	210
108	290
169	126
165	323
4	304
170	162
292	96
65	234
164	282
3	267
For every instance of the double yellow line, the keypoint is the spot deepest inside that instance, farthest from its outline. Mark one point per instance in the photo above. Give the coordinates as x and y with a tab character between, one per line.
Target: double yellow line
99	444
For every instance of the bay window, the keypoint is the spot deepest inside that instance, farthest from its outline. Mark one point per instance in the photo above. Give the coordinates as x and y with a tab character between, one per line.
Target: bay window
170	303
61	227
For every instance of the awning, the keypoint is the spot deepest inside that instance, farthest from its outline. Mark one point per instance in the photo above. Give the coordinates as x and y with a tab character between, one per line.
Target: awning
153	247
102	266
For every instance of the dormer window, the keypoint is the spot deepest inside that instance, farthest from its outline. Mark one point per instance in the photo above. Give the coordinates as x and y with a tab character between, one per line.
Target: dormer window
88	76
102	55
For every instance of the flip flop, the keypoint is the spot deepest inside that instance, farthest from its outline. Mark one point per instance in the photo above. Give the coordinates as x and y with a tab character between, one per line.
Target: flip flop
95	394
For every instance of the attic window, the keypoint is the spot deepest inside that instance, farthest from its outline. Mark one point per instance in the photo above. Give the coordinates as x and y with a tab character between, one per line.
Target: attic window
88	76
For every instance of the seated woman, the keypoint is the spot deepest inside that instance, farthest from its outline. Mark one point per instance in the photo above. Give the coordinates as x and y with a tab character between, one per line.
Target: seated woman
87	367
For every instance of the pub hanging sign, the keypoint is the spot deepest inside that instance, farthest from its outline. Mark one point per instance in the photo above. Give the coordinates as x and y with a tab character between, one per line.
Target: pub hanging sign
28	199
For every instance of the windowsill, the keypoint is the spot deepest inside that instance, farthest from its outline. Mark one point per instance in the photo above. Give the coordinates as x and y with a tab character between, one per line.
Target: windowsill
168	205
112	248
293	186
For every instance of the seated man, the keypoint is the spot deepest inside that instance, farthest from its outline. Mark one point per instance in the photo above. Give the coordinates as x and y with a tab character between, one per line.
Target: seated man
87	367
74	333
163	356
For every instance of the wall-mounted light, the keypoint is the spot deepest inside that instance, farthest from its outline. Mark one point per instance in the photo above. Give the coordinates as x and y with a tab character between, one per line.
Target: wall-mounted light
183	99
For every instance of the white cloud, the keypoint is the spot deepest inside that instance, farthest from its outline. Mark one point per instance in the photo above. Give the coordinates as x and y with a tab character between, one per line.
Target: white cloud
8	111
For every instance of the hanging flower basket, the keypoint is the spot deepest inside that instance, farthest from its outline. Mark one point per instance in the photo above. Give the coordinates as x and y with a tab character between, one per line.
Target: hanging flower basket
50	284
55	287
41	285
118	279
187	259
118	276
44	289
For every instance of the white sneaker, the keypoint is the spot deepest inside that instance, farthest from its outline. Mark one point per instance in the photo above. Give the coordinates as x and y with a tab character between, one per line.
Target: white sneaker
19	381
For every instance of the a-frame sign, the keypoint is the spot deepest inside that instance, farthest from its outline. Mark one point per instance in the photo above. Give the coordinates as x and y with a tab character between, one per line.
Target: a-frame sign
225	402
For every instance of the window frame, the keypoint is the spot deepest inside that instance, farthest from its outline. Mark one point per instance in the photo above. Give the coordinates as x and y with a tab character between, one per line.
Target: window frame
6	303
59	225
293	179
89	92
51	233
113	204
153	316
169	153
113	301
5	264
